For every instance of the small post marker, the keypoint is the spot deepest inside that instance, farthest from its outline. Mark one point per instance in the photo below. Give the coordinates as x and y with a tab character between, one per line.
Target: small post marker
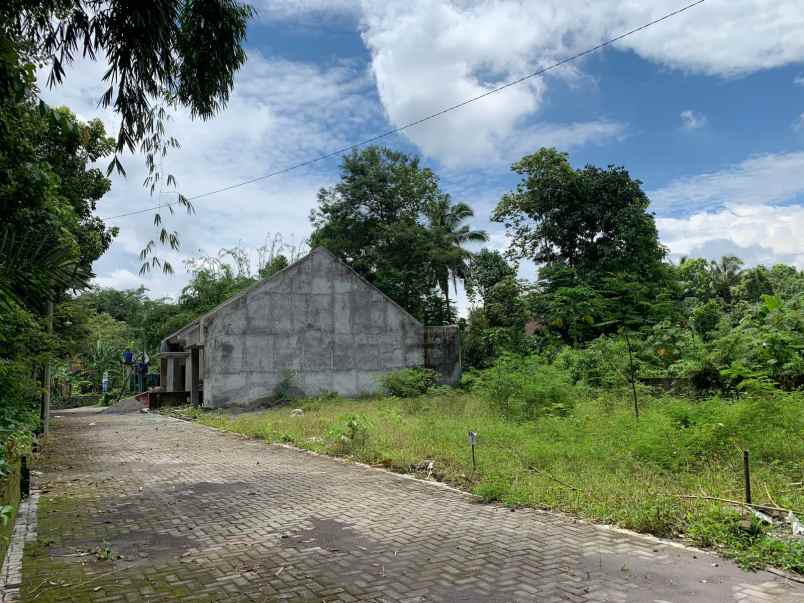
472	442
747	477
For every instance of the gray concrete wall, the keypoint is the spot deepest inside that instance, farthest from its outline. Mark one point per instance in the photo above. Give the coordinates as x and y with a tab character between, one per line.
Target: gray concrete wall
442	353
318	319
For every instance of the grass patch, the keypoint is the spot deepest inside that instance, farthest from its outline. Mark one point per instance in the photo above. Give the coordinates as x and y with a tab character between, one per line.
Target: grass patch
595	461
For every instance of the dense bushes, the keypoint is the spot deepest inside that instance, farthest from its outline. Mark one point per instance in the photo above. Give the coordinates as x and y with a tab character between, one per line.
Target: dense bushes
409	382
19	408
524	387
707	325
602	363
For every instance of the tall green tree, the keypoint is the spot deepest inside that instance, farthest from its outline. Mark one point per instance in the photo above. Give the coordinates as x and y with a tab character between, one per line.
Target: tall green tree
161	55
725	275
787	281
752	284
486	269
694	278
48	235
164	53
594	221
373	219
48	192
448	235
588	229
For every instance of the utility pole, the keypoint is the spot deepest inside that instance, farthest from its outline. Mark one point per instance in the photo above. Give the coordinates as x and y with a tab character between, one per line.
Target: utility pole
45	410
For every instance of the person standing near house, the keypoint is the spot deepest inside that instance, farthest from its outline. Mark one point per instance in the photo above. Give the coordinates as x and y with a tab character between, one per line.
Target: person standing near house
142	371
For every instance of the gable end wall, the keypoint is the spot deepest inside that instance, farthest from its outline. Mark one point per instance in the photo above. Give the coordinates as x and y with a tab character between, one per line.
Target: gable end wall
318	319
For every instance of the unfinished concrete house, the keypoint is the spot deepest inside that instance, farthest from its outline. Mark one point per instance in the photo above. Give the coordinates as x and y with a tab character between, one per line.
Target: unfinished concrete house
316	326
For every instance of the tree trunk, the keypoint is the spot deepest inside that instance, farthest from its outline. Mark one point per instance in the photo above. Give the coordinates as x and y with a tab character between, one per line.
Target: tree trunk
445	288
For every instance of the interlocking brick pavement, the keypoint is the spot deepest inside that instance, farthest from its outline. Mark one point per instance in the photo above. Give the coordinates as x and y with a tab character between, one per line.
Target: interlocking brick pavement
192	514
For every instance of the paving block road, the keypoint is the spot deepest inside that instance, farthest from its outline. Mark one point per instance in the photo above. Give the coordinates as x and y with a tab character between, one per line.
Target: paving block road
141	507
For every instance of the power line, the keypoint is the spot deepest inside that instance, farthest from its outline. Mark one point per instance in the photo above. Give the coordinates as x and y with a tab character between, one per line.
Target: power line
417	122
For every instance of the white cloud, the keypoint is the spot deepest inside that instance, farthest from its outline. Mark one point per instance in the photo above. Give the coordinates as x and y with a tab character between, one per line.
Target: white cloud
750	35
430	54
751	210
758	235
764	180
798	125
126	279
692	120
799	81
280	112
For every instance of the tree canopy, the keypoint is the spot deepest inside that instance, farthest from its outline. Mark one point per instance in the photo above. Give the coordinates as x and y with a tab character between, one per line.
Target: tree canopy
390	221
48	192
590	233
163	53
592	220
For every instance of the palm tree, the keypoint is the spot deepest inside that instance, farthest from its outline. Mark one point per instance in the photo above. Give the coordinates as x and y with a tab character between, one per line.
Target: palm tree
448	234
33	271
725	274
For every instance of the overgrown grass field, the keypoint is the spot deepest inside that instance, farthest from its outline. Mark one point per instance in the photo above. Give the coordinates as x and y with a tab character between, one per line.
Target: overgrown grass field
598	462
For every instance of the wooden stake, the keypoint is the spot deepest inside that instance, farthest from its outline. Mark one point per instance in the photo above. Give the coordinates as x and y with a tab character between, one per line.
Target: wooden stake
747	477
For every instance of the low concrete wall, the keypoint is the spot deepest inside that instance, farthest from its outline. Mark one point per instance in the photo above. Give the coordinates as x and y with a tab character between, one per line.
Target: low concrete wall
442	353
316	326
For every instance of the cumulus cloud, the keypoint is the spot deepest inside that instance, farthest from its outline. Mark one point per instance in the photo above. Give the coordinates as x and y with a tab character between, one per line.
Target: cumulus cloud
692	120
752	210
771	179
758	235
430	54
751	35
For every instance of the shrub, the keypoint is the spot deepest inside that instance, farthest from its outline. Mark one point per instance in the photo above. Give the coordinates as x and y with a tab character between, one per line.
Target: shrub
705	318
315	403
287	388
349	433
409	382
604	363
523	387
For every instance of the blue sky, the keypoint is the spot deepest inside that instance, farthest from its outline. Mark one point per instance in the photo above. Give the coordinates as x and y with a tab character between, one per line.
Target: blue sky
707	109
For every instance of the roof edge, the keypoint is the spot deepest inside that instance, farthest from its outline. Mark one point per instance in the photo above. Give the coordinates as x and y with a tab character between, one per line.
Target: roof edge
242	293
316	250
